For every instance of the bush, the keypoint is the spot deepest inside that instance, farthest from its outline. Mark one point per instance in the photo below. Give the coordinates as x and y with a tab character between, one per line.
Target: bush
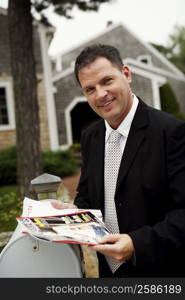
169	102
76	148
8	166
59	163
10	207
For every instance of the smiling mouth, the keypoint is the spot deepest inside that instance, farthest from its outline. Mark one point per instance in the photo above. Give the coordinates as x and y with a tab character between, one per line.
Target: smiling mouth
106	103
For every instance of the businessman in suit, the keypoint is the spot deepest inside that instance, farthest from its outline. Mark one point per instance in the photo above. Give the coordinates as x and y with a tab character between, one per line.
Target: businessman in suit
148	201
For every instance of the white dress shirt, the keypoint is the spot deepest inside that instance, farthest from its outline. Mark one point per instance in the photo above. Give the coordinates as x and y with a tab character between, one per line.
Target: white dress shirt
124	127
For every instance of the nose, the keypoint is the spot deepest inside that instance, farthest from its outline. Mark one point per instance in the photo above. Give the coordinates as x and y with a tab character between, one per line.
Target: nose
100	93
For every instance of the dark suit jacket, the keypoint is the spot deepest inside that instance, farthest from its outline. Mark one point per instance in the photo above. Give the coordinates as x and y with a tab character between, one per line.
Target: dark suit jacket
150	193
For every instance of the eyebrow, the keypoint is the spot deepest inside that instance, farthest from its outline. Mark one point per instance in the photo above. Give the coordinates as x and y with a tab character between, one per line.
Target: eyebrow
101	81
87	87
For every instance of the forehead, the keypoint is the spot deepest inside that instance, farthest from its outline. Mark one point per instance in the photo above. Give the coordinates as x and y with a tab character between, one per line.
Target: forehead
98	69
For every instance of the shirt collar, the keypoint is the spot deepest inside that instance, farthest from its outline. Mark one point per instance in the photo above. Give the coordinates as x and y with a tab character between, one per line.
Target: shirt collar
125	125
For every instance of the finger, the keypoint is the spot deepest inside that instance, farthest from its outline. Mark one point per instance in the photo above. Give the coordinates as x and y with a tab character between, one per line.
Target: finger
112	238
106	246
108	250
56	204
101	247
69	205
62	205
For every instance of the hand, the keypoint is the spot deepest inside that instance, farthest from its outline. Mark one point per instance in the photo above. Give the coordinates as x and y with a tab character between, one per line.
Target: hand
62	205
118	246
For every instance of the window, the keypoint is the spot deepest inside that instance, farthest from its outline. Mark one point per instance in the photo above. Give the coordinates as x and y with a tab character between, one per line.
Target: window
146	59
3	107
7	117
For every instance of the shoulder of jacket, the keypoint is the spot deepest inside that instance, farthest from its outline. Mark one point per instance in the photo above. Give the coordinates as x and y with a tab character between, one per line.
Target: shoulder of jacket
95	126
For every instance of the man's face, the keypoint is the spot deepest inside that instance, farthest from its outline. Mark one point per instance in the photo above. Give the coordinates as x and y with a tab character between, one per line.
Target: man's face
107	89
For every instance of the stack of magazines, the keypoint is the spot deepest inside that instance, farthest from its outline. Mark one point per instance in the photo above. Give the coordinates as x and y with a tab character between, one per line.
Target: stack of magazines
76	226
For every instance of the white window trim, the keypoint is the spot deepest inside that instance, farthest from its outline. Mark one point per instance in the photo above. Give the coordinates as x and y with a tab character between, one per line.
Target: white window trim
10	106
68	124
50	101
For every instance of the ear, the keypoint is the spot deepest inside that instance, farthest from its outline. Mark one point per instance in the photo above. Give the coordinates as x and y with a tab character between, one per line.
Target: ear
127	73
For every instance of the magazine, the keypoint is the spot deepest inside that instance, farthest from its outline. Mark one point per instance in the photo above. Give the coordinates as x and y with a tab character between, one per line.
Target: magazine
81	227
42	208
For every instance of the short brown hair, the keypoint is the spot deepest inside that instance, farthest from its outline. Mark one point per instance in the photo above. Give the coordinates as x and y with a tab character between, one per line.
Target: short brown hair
90	53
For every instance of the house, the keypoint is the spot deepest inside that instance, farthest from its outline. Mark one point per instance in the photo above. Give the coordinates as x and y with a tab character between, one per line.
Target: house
64	111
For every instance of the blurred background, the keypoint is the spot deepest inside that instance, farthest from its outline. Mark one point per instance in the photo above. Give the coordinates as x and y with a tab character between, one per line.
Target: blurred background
42	109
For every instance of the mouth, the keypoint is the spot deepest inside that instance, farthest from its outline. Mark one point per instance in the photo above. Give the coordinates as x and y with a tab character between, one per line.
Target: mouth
106	103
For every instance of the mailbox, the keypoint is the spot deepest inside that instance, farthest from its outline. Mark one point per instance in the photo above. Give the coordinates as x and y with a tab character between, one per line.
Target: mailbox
27	257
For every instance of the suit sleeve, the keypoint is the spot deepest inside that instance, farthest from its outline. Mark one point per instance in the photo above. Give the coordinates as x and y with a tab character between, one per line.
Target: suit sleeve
166	238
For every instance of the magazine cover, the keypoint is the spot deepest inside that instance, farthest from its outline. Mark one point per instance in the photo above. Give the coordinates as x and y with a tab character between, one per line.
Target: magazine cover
79	228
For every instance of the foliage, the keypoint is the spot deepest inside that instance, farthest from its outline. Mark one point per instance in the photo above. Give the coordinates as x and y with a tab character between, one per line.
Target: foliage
64	8
59	163
169	102
175	51
6	189
10	207
76	150
76	147
8	166
177	55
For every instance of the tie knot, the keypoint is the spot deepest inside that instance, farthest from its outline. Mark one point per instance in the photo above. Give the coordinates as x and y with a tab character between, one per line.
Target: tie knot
114	137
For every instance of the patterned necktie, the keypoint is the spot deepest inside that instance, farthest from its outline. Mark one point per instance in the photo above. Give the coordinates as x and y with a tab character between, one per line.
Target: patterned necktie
112	164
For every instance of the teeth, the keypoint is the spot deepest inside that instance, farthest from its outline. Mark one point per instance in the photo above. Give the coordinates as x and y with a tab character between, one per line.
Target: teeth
107	103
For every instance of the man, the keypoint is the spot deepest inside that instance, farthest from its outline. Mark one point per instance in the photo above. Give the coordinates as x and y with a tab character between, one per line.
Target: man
146	208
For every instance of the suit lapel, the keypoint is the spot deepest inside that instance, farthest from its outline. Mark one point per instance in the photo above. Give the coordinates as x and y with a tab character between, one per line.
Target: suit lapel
135	138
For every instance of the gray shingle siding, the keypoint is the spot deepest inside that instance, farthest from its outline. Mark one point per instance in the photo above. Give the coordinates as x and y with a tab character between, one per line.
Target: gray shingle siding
67	90
4	46
142	88
5	66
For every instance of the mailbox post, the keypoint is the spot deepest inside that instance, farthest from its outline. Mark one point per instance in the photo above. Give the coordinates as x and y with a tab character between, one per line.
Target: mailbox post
46	186
49	186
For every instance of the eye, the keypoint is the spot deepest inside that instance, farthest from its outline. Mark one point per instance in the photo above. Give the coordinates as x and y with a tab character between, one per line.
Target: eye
89	90
108	80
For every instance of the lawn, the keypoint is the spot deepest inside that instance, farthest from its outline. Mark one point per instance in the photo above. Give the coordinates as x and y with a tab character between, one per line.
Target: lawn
6	189
10	207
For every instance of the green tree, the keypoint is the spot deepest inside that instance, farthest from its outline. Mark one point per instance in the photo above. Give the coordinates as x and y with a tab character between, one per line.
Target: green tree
177	47
29	164
175	50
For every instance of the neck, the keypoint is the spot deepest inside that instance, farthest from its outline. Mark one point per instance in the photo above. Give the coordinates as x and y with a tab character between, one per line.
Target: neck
114	124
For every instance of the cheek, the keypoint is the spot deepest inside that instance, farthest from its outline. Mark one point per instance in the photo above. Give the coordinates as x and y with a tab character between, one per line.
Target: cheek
92	104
